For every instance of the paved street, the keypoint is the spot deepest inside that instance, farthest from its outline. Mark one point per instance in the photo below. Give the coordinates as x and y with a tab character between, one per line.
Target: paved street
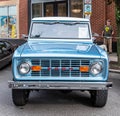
55	103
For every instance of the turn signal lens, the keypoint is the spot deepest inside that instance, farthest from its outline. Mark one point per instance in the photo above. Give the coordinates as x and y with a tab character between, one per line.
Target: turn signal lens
36	68
84	69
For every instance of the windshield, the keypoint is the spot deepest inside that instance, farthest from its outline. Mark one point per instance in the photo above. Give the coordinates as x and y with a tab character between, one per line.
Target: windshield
60	30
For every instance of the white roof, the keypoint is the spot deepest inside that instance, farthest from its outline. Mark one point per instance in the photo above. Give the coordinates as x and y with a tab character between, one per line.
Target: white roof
60	18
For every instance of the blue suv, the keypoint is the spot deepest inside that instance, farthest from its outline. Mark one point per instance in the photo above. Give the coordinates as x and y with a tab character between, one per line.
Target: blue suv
60	55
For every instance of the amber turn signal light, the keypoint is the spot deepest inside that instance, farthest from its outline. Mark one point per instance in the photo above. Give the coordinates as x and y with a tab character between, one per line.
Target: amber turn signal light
36	68
84	69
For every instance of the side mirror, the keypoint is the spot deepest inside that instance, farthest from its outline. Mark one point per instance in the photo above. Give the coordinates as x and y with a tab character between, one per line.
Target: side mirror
24	36
93	38
95	35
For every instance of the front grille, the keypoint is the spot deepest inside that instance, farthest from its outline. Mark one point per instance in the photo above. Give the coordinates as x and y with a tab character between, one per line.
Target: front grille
60	68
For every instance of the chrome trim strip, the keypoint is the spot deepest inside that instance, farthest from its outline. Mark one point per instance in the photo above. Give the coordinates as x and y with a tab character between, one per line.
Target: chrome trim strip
7	57
59	85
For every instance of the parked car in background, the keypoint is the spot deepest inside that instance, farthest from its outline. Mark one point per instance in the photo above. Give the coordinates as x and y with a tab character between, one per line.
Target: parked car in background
6	52
60	55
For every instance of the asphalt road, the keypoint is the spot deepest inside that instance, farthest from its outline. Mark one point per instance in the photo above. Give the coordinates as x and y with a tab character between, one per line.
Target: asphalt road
55	103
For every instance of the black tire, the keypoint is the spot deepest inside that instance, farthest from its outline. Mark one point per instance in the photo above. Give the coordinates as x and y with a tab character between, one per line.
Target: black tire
99	98
20	96
66	91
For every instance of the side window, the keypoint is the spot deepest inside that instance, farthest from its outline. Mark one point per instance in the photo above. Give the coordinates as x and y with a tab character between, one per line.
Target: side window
7	44
2	47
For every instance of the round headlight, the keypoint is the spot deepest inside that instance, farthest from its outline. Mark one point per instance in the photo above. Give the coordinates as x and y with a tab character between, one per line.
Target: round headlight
24	68
96	68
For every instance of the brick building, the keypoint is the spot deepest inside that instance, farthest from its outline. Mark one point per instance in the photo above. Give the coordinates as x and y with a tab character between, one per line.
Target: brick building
15	15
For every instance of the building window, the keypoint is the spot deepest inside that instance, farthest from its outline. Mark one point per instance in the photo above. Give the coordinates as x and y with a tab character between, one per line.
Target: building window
37	10
76	7
8	22
73	8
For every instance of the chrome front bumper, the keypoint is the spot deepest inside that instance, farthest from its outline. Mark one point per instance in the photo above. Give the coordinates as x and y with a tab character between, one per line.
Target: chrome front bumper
59	85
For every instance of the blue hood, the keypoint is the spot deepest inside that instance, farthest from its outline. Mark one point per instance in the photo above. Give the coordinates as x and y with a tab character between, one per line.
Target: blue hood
60	49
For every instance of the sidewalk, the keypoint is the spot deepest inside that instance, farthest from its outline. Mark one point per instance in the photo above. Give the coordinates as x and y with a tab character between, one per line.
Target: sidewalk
113	57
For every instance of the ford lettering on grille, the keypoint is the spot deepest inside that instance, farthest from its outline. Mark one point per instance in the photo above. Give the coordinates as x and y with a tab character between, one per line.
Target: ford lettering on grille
60	68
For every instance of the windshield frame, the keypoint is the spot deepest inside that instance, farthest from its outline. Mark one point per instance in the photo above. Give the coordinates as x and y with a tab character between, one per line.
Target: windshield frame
51	22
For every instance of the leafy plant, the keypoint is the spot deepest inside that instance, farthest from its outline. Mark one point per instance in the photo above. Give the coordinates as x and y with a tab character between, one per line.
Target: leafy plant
117	15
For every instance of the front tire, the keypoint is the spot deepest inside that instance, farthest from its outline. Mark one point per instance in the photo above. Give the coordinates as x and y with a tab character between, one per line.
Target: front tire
20	96
66	91
99	97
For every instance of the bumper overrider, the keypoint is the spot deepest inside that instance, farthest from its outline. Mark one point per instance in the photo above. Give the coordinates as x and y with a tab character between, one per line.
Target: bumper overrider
59	85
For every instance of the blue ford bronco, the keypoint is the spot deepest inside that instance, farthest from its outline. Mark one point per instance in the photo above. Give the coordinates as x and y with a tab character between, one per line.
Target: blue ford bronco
60	55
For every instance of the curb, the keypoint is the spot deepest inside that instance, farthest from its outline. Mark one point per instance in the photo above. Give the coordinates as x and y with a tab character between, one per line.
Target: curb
114	71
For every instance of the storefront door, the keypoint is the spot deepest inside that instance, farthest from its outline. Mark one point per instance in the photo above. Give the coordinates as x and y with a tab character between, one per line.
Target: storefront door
56	8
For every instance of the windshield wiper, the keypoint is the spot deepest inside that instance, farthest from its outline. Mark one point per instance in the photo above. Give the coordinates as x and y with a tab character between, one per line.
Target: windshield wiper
70	23
58	22
49	23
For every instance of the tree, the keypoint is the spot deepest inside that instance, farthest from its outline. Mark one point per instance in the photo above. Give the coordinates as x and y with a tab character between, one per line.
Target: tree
117	8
